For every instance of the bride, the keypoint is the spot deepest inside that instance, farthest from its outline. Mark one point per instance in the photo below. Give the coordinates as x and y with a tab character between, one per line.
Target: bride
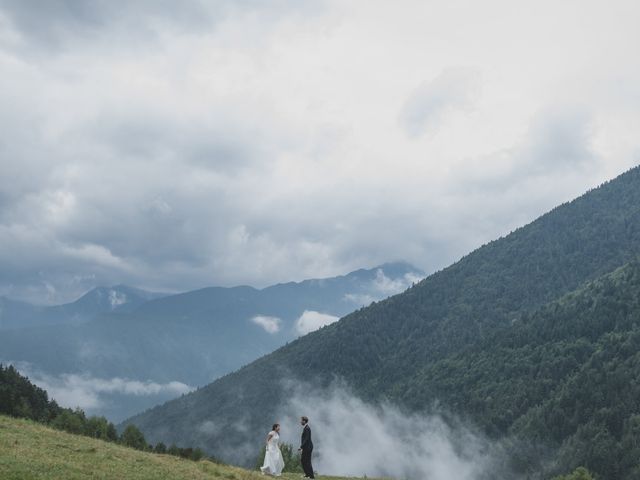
273	462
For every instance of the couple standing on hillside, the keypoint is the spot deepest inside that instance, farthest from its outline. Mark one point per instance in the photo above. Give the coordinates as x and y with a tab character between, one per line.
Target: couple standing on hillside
273	462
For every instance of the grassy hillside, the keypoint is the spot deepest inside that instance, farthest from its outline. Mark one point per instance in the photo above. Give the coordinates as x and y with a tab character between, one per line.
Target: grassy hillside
29	450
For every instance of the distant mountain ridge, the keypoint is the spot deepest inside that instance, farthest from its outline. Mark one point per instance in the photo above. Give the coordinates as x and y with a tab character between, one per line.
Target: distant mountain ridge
99	300
119	298
137	353
412	348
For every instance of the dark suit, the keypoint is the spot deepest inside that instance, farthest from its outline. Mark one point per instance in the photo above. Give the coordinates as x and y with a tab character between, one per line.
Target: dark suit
307	448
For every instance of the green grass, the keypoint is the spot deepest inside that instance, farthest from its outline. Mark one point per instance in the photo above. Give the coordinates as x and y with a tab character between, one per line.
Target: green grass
29	450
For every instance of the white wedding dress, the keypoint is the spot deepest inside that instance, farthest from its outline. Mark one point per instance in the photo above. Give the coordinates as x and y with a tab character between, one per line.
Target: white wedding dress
273	462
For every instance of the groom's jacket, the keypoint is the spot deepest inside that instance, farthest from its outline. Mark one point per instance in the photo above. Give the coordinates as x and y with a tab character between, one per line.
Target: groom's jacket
306	443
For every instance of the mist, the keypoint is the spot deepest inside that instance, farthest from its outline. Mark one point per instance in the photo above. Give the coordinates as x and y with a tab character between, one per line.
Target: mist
355	438
115	397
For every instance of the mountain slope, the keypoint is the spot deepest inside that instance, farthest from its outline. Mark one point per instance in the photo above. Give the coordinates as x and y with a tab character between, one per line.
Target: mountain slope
120	298
14	314
565	376
384	350
126	362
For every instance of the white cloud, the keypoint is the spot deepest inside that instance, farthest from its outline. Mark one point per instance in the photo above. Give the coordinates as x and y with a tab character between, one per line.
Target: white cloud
354	438
362	299
269	324
453	89
382	287
117	298
311	320
84	391
390	286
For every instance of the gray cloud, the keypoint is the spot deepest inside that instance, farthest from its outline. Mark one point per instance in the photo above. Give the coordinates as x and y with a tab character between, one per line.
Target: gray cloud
254	143
165	221
60	25
453	89
550	165
560	139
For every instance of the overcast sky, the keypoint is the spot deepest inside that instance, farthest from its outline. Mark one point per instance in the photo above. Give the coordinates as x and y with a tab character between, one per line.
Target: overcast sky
174	145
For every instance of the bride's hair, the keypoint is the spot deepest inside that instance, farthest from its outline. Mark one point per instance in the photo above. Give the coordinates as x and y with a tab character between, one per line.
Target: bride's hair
275	425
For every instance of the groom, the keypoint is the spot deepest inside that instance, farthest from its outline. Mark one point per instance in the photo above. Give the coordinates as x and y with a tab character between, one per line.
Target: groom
306	447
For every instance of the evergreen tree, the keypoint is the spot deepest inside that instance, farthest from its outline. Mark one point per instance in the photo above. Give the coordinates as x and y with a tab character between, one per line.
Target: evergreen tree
160	448
70	421
133	437
197	454
20	398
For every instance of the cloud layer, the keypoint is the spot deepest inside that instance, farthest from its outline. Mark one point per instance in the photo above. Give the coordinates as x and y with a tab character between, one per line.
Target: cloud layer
87	392
353	438
249	143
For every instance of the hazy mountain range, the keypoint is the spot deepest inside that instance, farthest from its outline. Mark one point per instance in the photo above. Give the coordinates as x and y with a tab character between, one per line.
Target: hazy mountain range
118	299
119	350
532	338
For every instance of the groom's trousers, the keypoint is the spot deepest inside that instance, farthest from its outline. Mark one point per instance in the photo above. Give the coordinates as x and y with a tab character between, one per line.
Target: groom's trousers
305	459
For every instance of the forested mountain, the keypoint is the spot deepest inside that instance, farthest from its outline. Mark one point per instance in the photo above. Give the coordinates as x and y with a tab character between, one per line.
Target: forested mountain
133	358
564	377
497	338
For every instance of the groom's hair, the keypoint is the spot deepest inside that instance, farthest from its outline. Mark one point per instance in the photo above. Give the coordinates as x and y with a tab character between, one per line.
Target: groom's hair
304	419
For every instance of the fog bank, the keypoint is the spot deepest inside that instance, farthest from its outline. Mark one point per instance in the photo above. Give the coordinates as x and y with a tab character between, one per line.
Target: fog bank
354	438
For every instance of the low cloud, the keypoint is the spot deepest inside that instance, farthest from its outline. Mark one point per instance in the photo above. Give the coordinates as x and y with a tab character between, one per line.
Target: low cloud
383	286
84	391
207	427
363	299
117	298
311	320
390	286
269	324
354	438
